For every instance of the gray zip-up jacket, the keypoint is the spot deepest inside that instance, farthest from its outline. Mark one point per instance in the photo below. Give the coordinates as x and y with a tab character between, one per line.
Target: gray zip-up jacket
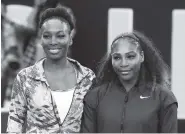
110	109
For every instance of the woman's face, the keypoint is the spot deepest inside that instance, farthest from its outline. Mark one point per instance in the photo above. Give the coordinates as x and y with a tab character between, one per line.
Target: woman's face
55	38
126	59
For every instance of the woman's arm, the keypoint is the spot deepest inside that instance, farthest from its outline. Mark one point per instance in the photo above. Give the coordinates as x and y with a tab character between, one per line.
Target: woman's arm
18	107
169	122
168	113
88	124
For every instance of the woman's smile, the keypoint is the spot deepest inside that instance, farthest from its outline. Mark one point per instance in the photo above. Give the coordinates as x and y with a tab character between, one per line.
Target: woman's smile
125	72
54	50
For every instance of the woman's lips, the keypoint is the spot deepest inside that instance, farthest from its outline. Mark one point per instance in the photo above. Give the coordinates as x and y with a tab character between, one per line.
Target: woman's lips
124	72
54	51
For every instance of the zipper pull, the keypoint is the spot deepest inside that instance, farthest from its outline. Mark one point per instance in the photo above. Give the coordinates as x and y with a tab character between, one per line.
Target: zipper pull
121	127
126	98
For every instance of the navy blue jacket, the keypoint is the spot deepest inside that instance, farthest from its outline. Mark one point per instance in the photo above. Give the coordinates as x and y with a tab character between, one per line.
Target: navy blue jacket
110	109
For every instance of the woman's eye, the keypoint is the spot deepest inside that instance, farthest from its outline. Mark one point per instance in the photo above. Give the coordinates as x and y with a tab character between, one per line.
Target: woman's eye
60	36
131	56
116	58
46	36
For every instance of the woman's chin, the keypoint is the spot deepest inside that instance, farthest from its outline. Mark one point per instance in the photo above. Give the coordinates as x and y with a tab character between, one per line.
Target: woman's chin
55	57
127	77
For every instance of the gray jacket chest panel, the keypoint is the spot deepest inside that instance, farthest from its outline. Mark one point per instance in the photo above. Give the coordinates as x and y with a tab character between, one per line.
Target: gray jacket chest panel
131	112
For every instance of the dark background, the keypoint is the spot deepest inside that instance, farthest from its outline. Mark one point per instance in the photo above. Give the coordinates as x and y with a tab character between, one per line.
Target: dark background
153	17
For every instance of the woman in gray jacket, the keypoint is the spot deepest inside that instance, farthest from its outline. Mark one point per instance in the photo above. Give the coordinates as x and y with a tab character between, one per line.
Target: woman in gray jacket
132	91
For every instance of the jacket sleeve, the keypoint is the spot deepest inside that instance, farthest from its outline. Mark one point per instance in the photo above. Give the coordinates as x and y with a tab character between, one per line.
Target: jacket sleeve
168	114
88	124
18	107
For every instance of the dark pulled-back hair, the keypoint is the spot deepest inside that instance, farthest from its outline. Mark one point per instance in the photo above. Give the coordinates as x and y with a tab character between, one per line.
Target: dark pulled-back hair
153	68
52	4
60	12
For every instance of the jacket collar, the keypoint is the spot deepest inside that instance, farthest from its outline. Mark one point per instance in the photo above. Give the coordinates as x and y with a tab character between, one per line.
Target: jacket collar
37	70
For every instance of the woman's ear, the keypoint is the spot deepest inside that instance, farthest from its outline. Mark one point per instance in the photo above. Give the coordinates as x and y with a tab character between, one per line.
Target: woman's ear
142	56
71	41
72	34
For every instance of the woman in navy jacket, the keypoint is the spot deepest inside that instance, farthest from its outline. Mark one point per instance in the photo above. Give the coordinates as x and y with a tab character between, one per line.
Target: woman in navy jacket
132	91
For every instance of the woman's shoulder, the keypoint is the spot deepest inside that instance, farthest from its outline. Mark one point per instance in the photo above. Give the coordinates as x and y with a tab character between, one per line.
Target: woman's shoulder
22	76
164	90
166	94
98	89
95	94
83	69
90	72
24	71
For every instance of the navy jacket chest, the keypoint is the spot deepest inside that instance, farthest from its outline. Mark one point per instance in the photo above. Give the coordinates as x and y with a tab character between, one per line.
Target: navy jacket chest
119	111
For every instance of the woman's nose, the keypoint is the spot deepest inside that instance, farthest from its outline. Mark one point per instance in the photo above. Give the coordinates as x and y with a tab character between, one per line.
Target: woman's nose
53	41
124	63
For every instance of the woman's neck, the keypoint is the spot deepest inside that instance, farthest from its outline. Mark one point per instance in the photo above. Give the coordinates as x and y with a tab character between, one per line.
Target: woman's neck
56	65
128	85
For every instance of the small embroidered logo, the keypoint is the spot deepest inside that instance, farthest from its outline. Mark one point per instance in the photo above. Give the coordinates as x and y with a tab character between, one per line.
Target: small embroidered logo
144	97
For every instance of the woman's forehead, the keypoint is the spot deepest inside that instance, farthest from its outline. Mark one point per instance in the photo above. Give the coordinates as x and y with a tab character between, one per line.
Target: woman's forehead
124	46
55	23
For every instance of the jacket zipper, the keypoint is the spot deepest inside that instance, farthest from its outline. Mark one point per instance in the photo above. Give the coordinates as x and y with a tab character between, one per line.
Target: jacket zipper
123	114
72	102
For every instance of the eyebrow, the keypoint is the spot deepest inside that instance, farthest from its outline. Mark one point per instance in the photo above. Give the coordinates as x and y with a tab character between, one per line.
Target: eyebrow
131	52
115	53
54	31
120	53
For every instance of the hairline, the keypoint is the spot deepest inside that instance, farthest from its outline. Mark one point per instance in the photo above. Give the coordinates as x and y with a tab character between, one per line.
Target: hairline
61	19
